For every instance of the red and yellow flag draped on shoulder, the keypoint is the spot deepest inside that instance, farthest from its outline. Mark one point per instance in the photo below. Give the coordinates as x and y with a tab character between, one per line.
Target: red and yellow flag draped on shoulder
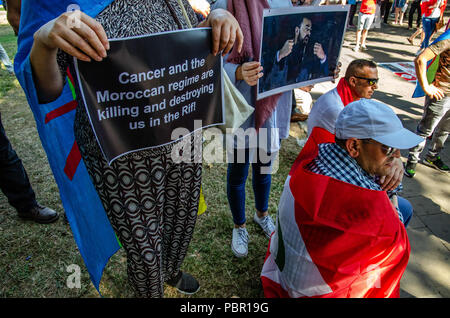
333	239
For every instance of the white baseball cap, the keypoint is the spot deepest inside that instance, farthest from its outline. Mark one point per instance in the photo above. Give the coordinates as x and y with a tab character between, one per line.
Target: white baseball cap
369	119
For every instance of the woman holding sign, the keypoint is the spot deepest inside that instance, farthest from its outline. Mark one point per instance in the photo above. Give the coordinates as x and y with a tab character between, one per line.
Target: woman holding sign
271	120
151	201
244	69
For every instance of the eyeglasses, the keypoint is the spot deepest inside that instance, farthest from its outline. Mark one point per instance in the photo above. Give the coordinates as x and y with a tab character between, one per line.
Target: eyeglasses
371	81
388	151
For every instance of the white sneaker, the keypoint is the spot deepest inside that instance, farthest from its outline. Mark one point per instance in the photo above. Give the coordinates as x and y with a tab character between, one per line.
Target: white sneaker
356	48
239	243
266	224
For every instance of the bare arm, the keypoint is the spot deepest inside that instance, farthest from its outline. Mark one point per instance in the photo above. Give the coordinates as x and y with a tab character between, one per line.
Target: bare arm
13	14
421	72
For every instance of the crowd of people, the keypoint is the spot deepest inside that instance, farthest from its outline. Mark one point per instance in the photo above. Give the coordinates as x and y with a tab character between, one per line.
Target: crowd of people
340	227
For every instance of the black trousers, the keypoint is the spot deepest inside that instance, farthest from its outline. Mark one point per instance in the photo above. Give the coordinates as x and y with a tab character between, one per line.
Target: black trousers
415	6
351	14
14	181
385	10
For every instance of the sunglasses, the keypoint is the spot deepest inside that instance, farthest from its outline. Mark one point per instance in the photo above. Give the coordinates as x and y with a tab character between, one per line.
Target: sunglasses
388	151
371	81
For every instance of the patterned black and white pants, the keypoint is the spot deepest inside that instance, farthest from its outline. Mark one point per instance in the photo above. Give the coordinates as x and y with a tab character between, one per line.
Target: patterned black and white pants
152	203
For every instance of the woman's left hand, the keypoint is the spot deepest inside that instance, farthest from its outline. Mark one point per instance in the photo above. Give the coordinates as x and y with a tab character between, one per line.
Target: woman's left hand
226	31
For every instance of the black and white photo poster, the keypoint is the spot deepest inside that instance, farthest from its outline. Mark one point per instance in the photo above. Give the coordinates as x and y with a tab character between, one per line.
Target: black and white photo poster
149	86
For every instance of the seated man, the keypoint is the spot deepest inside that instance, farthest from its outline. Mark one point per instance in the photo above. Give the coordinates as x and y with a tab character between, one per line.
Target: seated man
360	81
337	233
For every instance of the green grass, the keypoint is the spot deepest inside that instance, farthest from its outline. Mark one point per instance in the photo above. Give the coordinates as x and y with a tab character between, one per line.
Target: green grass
34	257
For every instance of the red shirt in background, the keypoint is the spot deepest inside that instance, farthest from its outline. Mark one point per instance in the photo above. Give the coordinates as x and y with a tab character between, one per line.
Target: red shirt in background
368	6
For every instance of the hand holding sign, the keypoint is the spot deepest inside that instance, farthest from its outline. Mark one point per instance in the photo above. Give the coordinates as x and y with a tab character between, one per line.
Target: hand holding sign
75	33
250	72
225	31
84	38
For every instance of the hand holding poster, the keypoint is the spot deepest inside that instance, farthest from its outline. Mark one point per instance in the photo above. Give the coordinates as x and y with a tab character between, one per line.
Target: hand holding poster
300	46
149	86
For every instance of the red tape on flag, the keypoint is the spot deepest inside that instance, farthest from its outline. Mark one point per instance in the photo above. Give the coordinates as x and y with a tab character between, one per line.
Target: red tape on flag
60	111
72	161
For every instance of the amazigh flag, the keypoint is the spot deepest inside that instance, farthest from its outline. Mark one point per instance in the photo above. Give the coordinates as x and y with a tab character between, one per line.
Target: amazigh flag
432	67
90	226
333	239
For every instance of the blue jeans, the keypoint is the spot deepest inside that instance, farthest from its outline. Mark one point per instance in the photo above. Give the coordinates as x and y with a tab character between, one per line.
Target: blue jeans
4	58
406	210
236	178
428	25
14	181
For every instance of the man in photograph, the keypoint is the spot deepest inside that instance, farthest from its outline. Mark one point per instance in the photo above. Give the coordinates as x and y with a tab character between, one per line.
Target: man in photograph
298	59
307	60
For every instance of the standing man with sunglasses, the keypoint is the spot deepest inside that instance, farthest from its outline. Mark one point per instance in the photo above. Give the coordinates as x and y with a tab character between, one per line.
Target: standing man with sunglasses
436	114
360	81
